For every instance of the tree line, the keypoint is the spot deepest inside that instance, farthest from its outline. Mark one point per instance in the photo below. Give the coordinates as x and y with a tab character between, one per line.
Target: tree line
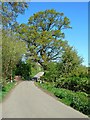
41	40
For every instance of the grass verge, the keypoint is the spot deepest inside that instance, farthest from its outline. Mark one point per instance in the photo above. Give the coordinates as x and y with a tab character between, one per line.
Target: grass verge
6	90
77	100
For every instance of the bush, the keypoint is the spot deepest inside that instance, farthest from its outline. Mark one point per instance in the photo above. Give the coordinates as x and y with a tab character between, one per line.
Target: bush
23	69
77	101
51	72
73	83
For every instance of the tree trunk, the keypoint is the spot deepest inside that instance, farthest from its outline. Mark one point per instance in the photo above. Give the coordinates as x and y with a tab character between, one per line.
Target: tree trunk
11	76
43	65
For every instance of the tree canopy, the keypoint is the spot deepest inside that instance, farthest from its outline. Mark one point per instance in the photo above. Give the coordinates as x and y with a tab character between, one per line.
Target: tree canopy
10	11
44	35
10	47
70	62
12	51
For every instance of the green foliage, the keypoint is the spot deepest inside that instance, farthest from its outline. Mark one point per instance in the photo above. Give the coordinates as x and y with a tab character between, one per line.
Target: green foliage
6	89
44	36
51	72
12	47
35	68
10	11
77	100
68	73
12	51
23	69
73	83
70	63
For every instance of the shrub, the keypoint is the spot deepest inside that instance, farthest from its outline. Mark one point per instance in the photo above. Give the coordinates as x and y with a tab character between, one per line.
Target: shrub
51	72
73	83
78	101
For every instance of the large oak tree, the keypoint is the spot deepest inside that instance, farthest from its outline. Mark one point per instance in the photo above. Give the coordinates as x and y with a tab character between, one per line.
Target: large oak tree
44	35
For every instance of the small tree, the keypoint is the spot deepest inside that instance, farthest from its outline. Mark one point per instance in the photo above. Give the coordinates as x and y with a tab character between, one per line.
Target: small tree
70	63
12	51
51	72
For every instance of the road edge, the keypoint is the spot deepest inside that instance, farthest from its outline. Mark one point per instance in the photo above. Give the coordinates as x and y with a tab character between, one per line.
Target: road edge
56	98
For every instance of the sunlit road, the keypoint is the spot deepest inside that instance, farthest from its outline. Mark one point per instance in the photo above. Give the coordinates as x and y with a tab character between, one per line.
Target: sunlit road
28	101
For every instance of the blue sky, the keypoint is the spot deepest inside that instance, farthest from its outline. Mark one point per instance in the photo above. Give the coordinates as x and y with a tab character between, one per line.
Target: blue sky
77	12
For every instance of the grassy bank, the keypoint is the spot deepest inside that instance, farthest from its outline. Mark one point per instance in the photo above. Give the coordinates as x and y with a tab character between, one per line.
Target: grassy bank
6	90
77	100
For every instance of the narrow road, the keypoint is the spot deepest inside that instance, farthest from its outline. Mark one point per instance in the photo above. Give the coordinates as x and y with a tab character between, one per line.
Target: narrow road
28	101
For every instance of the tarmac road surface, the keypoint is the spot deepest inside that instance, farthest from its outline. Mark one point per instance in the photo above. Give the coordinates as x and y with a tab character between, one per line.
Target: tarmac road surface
28	101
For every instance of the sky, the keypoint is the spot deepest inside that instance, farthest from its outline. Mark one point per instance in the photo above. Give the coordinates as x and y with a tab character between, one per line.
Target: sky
77	12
